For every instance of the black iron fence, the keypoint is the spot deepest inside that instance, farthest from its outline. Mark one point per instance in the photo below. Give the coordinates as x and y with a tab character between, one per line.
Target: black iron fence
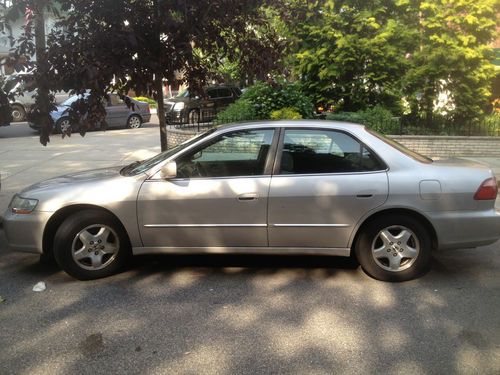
201	119
195	119
489	126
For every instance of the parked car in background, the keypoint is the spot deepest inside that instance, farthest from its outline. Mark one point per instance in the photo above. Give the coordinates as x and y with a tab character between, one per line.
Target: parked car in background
187	109
22	103
277	187
117	114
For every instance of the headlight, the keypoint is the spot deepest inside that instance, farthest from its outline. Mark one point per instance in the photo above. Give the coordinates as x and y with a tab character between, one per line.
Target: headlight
20	205
178	106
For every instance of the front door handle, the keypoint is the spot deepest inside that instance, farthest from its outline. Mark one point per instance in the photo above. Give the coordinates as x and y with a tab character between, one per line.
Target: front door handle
248	197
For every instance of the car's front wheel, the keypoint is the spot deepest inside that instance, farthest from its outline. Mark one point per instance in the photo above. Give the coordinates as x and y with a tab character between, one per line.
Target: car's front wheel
63	125
91	244
394	248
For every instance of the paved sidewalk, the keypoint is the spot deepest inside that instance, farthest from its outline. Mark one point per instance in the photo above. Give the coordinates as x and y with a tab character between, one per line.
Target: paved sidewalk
24	161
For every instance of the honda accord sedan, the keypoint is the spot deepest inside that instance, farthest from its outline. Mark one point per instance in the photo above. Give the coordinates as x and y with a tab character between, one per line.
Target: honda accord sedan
304	187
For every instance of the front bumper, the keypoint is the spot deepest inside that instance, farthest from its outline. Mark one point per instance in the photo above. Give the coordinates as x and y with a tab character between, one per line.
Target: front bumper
25	232
465	229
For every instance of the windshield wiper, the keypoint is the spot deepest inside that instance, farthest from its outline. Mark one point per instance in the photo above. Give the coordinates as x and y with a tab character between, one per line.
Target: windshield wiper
127	168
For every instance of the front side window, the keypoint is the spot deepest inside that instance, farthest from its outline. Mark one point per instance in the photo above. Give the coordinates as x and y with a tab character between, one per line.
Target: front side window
239	153
224	93
311	151
212	94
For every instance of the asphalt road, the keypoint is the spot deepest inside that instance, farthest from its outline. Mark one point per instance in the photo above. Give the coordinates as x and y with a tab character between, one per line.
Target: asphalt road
251	315
22	129
16	130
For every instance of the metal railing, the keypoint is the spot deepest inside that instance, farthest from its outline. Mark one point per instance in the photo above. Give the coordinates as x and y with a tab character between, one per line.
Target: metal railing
195	119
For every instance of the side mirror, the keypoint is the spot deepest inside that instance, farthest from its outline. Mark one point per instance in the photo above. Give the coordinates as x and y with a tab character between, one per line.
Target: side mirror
169	170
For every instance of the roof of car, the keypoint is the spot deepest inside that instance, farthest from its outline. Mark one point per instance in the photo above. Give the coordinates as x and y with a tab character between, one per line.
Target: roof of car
296	123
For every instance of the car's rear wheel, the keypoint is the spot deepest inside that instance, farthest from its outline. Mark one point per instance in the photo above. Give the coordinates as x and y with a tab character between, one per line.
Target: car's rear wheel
91	244
63	126
134	122
18	113
394	248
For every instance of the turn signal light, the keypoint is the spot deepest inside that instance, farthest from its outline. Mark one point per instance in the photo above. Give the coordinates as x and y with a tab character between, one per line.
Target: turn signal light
488	190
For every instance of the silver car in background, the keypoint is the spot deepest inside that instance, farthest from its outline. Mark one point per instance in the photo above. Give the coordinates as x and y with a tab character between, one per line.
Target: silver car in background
288	187
118	114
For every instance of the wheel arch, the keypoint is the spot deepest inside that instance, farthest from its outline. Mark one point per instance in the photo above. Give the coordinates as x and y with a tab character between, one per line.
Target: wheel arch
62	214
396	211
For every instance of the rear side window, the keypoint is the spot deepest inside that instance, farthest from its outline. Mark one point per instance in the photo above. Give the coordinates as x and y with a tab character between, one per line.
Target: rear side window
312	151
115	100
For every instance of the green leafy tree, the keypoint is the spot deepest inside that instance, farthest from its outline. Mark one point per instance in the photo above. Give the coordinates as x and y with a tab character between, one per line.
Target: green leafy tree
350	53
452	56
114	45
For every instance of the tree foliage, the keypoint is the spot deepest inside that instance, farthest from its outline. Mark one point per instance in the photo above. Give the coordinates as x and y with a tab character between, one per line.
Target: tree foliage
114	45
356	54
452	56
351	53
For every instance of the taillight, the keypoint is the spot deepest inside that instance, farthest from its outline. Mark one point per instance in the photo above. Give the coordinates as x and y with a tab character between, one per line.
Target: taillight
488	190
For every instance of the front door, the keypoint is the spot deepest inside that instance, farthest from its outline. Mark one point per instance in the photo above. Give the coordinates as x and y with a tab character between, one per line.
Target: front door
219	198
326	181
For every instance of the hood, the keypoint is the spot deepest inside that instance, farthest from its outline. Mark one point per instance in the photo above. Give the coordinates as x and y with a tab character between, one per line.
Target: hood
74	178
179	100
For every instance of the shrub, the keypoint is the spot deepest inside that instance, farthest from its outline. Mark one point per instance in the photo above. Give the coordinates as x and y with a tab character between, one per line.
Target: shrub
241	110
267	98
492	124
378	118
287	113
150	101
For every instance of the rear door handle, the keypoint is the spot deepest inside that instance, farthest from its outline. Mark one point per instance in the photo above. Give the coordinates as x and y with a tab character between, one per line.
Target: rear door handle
247	197
364	195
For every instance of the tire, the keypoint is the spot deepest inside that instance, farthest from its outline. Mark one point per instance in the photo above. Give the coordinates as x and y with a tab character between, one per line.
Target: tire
91	244
394	248
63	125
18	113
194	116
134	122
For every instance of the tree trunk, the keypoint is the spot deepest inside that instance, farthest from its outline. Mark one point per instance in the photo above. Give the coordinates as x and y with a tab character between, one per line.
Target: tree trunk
161	112
158	84
42	101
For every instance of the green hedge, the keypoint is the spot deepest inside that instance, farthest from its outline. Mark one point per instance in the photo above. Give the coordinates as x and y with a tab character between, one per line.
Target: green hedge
377	118
241	110
150	101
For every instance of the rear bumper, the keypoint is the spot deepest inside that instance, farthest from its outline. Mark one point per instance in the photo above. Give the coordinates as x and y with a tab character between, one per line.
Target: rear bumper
465	229
25	232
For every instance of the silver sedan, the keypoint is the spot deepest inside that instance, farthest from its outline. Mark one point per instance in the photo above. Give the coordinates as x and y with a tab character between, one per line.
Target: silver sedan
305	187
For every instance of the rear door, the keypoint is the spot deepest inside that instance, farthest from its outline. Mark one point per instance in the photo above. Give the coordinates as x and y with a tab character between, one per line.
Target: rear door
323	183
117	112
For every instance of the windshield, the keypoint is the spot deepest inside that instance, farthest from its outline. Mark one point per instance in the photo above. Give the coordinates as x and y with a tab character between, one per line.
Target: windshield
183	94
401	148
145	165
70	101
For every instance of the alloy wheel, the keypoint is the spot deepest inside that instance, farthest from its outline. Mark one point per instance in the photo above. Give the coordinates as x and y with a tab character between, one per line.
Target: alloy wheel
95	247
395	248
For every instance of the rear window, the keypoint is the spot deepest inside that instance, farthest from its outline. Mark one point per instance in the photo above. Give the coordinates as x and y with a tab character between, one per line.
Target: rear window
398	146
